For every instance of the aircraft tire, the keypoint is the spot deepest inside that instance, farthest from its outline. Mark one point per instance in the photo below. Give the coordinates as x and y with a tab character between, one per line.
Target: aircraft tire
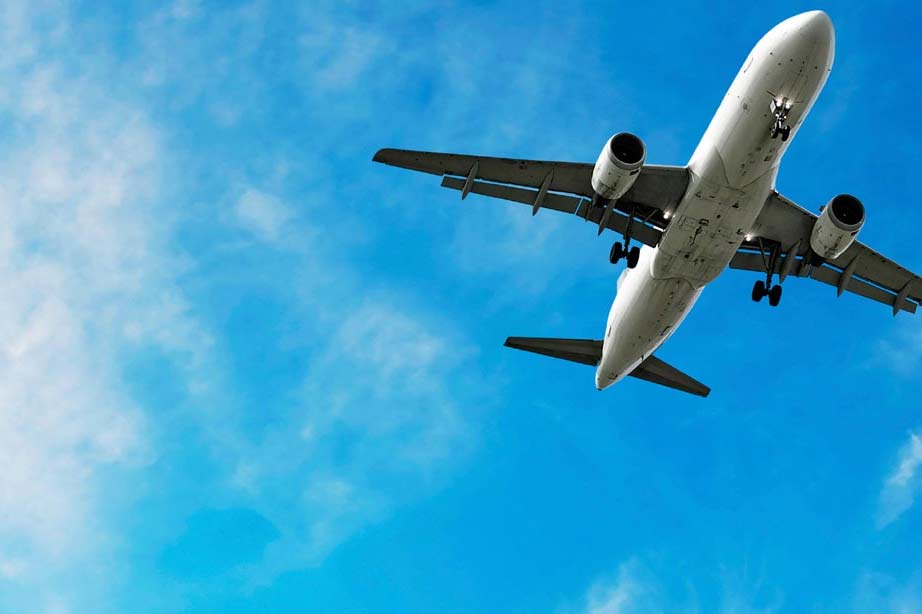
633	257
774	296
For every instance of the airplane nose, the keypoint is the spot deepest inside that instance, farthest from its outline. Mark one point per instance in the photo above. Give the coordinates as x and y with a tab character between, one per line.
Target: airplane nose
815	25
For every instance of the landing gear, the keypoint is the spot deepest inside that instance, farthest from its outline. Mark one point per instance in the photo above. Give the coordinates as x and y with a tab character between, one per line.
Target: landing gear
783	130
633	257
774	296
621	250
780	107
761	289
624	250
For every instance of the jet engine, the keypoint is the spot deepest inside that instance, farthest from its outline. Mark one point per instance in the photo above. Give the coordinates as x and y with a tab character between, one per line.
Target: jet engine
837	227
618	165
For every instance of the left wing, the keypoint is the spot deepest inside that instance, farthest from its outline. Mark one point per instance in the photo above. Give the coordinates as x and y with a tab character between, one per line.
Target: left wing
860	270
562	186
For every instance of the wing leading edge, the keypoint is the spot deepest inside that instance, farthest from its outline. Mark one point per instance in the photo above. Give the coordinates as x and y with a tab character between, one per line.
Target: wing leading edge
589	352
561	186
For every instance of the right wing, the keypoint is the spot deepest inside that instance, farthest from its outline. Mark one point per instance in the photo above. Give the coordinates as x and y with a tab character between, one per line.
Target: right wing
860	270
562	186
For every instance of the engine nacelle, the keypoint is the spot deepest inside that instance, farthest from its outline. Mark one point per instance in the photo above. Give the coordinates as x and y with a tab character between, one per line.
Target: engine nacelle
837	227
618	165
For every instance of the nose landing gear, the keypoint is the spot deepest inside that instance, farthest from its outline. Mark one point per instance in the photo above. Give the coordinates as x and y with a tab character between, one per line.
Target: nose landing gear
780	107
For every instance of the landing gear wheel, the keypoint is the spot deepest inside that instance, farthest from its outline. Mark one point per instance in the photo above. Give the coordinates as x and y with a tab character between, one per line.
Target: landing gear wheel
775	131
616	254
633	257
785	133
758	291
774	296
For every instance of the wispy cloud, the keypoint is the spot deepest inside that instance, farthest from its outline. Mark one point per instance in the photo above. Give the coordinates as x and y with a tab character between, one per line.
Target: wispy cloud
263	214
903	485
377	425
884	594
88	279
621	594
901	350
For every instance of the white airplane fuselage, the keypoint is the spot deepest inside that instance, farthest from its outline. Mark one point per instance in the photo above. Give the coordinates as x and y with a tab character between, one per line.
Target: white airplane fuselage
732	173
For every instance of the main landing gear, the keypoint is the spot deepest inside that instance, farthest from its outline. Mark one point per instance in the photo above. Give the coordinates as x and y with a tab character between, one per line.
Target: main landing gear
761	289
622	250
780	108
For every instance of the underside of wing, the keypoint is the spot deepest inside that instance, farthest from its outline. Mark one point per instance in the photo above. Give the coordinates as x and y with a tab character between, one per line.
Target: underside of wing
785	226
571	177
561	186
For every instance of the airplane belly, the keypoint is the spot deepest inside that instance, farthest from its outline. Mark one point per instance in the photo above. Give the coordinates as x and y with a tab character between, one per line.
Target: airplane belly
707	229
645	313
733	169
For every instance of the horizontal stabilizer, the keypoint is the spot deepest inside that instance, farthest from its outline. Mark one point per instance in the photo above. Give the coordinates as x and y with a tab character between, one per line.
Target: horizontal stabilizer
655	370
585	351
589	352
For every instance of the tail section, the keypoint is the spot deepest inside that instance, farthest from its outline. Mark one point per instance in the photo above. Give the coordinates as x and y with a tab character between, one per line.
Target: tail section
585	351
589	352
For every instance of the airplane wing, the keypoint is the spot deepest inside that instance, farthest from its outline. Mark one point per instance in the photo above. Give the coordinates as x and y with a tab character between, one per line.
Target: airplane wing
562	186
860	270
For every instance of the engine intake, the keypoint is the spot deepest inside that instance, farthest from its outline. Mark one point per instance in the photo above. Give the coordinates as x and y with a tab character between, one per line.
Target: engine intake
837	227
618	165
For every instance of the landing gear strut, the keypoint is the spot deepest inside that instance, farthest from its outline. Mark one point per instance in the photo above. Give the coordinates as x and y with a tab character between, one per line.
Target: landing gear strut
761	289
624	250
780	107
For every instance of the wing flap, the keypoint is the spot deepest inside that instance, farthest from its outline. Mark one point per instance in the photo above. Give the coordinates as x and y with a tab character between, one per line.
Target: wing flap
826	274
559	202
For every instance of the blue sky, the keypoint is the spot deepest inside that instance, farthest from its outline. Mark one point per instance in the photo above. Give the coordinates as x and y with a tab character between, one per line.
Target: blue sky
244	369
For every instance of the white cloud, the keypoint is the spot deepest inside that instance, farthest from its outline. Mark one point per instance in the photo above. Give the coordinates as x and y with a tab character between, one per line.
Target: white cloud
902	352
636	589
883	594
377	426
619	595
263	214
87	278
901	487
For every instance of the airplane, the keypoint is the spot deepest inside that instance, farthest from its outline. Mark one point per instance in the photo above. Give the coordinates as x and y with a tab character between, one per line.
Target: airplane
720	210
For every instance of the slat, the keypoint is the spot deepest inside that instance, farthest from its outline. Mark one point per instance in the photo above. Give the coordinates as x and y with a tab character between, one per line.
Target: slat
559	202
